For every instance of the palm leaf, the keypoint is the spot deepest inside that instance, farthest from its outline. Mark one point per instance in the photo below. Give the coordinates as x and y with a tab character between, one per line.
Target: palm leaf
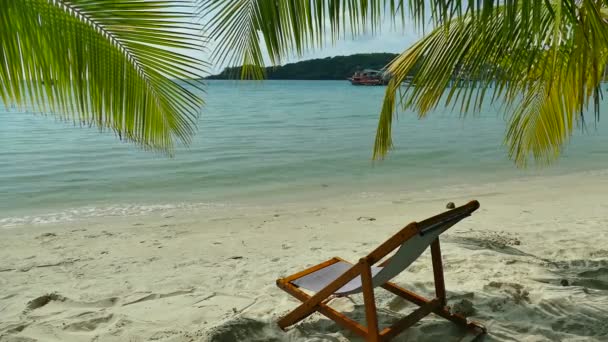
511	48
245	30
113	64
545	77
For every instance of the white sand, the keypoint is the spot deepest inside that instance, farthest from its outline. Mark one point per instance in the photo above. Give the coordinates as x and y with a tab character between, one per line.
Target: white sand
209	273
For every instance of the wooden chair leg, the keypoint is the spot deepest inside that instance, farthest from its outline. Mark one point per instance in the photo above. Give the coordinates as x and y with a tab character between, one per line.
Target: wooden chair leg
325	310
370	304
409	320
438	272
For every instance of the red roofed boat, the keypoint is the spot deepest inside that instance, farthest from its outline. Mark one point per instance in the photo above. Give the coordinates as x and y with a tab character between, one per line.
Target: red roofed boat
368	77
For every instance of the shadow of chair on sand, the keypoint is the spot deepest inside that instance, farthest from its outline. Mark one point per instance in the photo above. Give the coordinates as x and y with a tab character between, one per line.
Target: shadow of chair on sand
430	329
319	328
572	310
578	314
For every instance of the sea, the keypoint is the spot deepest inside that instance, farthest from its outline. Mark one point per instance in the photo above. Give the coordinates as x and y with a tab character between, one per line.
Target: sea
261	142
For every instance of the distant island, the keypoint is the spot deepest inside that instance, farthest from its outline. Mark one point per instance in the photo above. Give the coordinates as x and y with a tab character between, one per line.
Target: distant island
330	68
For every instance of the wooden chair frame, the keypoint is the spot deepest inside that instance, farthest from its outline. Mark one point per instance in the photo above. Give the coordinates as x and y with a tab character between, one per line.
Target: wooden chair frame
318	302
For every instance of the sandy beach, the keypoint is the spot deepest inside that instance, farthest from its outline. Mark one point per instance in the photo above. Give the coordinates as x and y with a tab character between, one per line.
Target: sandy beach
531	264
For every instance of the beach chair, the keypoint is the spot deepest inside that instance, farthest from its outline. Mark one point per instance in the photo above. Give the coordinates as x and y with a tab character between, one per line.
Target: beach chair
337	277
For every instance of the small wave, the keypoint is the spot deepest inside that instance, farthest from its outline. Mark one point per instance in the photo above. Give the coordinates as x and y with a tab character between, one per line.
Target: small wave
75	214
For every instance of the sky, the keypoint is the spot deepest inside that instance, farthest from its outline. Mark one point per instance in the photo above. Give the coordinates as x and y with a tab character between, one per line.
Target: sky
388	39
391	37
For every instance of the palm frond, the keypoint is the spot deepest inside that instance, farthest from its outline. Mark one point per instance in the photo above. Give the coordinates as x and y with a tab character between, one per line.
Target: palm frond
545	77
244	30
510	49
113	64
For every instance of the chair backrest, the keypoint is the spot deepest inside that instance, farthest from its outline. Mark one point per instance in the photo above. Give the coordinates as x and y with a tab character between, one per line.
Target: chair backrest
412	248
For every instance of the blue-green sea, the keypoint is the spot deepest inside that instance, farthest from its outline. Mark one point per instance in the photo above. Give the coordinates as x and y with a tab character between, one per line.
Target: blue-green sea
265	142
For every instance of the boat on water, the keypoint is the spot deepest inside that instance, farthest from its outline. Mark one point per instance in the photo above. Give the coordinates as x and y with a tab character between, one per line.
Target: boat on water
369	77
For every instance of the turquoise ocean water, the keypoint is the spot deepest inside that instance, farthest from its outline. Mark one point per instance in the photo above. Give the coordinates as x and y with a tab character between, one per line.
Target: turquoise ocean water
260	141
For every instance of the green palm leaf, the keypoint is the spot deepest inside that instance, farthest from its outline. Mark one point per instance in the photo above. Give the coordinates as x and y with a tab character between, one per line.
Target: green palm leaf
546	77
113	64
522	47
243	29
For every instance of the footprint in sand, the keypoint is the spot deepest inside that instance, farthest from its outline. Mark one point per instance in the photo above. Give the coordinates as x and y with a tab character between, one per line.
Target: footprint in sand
46	235
495	241
70	315
592	274
89	321
517	293
20	339
54	302
42	301
397	304
594	279
178	307
218	301
13	328
580	264
244	329
154	296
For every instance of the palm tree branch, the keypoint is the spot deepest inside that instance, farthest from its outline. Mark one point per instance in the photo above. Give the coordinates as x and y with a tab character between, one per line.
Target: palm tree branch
108	64
542	78
297	26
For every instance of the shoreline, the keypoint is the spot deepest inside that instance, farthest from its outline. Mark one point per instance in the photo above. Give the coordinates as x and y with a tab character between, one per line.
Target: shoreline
325	194
208	273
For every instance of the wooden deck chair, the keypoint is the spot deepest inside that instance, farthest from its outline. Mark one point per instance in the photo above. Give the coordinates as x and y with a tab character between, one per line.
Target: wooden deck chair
337	277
